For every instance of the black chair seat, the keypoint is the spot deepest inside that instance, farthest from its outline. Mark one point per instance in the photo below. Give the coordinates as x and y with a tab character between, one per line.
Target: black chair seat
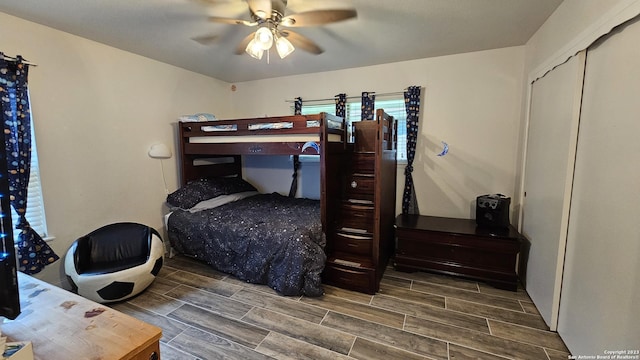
112	248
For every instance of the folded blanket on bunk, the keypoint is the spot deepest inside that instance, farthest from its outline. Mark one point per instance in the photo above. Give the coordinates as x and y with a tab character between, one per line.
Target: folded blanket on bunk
198	117
265	239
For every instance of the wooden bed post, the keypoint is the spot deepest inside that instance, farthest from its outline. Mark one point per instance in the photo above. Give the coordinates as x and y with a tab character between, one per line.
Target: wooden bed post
330	166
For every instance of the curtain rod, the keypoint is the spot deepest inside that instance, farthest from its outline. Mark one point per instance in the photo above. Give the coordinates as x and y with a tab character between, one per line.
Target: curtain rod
15	59
351	97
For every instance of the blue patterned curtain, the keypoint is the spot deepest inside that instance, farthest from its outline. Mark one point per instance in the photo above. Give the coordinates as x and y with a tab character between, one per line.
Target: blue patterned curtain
33	252
341	103
412	106
297	106
294	182
368	103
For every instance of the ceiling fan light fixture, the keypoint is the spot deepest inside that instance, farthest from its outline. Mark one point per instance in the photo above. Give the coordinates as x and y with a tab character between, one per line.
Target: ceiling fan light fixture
268	16
288	21
254	49
284	47
264	37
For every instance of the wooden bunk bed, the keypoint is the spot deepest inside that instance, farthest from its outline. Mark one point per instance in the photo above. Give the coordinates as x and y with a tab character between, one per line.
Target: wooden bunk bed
356	205
213	150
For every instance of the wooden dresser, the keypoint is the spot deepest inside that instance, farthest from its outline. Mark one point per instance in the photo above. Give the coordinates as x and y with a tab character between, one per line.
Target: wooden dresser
459	247
360	240
63	325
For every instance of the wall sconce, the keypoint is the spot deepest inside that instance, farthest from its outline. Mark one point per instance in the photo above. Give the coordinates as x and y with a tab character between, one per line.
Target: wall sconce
159	151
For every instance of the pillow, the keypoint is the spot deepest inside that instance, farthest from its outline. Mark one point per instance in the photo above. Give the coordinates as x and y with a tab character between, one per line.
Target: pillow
221	200
207	188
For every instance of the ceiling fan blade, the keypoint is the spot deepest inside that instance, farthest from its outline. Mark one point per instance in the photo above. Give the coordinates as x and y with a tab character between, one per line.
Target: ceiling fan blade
243	44
260	8
302	42
231	21
318	17
206	40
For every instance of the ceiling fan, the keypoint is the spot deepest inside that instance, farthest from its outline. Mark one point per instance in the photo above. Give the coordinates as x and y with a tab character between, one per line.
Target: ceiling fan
271	22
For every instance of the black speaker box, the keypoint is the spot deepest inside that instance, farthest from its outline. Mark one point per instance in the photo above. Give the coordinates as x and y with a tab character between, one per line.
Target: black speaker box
493	211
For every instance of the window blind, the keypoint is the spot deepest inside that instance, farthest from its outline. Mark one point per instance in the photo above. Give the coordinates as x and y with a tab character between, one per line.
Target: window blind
35	204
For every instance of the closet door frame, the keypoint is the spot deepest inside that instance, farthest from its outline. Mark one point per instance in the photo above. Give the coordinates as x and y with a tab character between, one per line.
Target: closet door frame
560	241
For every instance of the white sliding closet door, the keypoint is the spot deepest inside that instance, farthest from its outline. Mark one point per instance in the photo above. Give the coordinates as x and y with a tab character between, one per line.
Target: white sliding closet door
600	306
551	142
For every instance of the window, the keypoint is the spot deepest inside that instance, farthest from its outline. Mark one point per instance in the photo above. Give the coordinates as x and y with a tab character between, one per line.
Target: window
35	204
394	107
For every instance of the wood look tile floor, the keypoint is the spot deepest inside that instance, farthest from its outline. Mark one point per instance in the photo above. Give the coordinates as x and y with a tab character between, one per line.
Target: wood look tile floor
205	314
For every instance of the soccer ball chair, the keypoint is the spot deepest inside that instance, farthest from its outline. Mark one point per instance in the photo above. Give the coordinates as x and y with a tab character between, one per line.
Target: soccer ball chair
114	262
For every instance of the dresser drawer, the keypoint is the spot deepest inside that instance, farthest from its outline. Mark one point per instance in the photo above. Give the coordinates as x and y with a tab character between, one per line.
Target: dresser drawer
350	277
352	243
360	187
363	163
461	250
358	217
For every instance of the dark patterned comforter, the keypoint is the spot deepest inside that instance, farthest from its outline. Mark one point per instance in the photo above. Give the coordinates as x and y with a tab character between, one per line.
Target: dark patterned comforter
265	239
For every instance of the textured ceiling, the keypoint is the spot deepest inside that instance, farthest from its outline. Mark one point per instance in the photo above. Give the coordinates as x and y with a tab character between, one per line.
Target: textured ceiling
384	31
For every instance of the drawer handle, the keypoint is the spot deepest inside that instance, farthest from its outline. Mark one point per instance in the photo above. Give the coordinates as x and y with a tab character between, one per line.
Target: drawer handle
354	184
154	356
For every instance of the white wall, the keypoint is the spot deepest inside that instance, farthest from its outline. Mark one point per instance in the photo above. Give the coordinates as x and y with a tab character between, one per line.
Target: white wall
572	26
562	27
96	111
471	101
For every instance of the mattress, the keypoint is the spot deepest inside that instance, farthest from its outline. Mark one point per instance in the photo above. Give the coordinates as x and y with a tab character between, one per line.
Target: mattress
264	239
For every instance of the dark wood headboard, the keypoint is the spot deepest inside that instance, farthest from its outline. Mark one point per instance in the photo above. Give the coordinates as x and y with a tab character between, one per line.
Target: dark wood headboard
205	166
